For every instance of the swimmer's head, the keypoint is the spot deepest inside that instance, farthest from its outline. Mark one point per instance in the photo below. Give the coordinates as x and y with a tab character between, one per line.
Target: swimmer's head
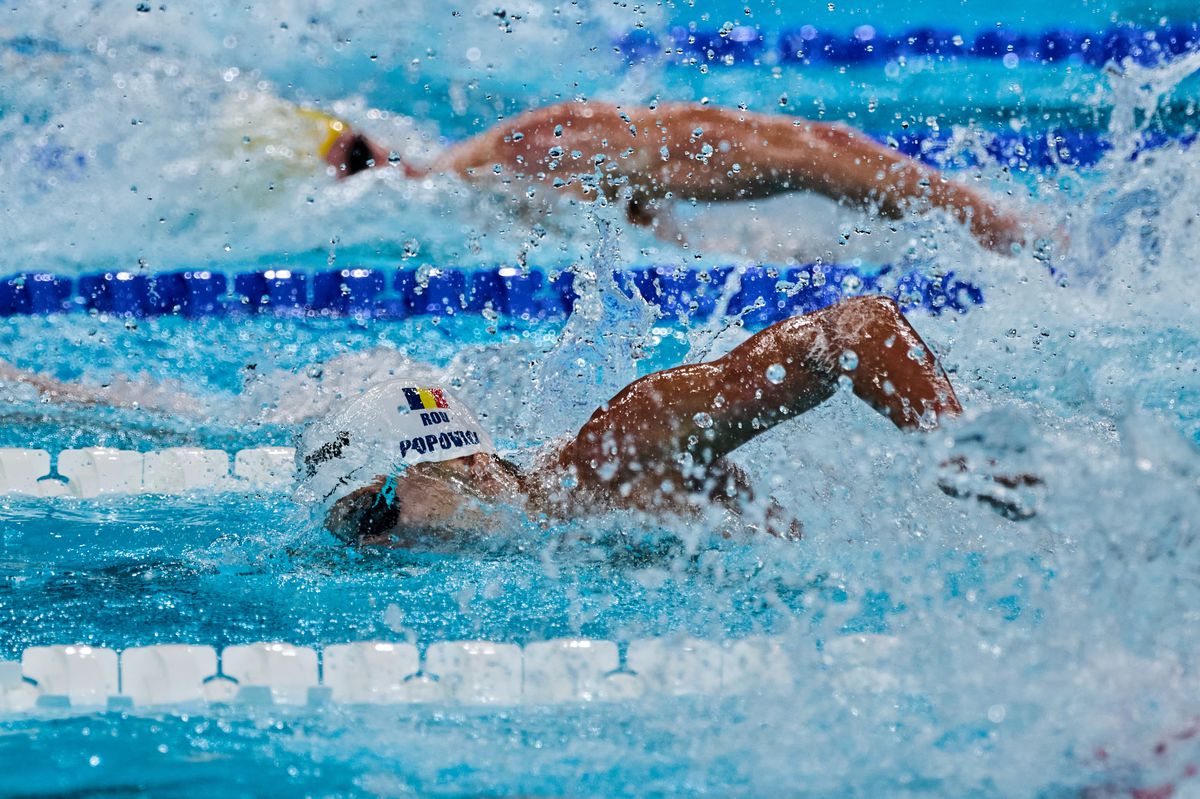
325	130
295	140
358	447
427	503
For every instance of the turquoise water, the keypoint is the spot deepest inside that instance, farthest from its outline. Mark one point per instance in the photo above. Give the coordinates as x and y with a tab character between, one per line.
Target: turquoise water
1020	650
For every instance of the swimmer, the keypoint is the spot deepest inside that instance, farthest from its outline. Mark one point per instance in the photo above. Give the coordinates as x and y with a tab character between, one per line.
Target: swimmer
407	465
690	151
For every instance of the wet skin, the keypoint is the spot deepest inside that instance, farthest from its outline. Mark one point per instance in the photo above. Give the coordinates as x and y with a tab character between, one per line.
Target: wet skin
686	151
644	450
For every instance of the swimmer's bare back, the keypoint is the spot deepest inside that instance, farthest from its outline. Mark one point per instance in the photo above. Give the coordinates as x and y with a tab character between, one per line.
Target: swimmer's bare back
688	150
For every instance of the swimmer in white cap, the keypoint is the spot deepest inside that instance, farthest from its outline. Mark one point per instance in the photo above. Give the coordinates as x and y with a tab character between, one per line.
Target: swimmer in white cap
407	464
647	157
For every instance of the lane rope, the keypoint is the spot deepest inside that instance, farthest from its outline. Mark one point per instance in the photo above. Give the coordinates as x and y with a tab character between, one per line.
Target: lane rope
84	678
811	45
765	294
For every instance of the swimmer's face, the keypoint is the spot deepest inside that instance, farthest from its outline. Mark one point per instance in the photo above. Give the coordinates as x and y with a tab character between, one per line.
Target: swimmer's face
431	502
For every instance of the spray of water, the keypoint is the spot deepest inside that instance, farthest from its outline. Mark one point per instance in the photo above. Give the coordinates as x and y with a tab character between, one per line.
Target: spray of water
933	631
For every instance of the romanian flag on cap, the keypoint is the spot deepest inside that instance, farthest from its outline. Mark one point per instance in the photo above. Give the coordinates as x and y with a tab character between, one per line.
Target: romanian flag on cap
424	399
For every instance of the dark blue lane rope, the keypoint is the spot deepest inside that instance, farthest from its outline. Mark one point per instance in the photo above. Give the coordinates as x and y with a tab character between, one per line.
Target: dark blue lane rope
765	293
811	45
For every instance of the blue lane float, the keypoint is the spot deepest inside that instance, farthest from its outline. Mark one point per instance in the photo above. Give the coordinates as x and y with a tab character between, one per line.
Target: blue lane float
811	45
763	294
1042	150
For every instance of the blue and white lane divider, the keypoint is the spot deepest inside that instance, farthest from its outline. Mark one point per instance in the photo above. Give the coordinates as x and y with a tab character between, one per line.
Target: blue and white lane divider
865	44
764	294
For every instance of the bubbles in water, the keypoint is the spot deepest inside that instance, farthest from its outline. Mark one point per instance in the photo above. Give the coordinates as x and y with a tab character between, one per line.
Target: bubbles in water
776	373
848	360
703	420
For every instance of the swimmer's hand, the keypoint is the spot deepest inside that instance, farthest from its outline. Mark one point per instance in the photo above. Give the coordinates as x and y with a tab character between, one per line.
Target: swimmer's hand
1003	493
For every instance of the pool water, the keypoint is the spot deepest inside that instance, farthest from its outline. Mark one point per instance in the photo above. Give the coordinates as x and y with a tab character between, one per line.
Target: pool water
1008	655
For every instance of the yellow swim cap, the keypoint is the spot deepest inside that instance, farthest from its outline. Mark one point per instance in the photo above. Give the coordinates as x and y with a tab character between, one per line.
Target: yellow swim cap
334	127
277	130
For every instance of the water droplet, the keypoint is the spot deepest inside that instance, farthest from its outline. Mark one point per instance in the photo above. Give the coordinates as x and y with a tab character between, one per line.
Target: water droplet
848	361
706	150
558	130
497	168
703	420
776	373
916	352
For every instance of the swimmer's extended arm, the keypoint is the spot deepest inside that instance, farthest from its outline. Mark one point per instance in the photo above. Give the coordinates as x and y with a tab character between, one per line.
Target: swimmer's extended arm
51	389
705	411
162	397
687	150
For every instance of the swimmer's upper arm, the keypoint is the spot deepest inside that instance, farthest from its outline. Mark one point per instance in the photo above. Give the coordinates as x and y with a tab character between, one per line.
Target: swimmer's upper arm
691	413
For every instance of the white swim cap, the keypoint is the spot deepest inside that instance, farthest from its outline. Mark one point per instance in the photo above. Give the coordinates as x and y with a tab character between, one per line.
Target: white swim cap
392	426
